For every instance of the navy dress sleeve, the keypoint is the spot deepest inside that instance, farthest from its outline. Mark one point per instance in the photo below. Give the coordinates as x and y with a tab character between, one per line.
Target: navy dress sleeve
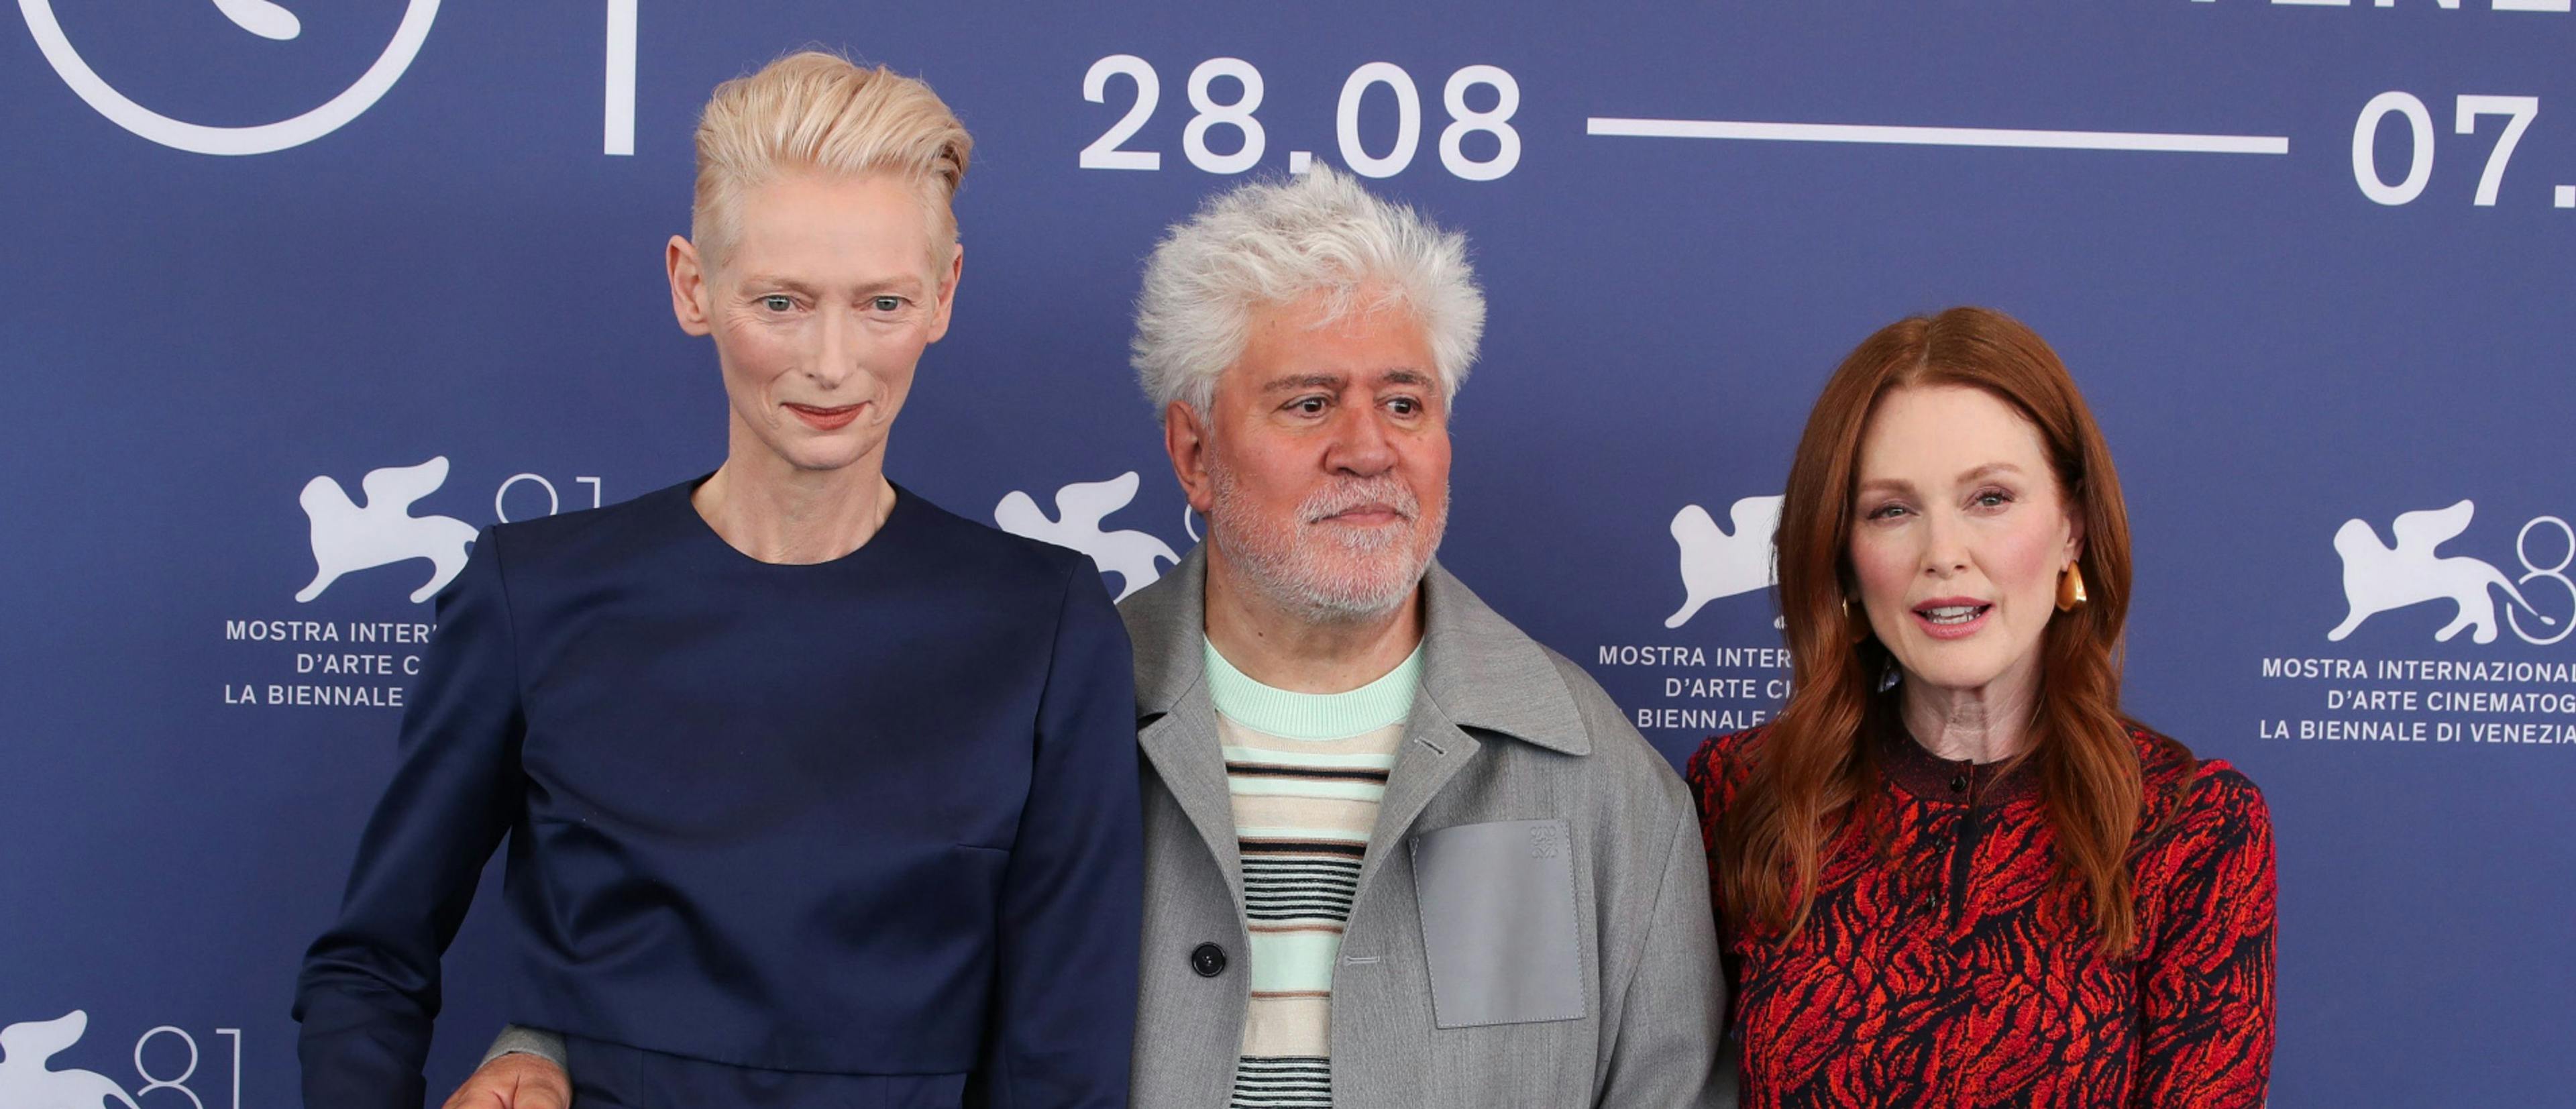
1072	901
370	986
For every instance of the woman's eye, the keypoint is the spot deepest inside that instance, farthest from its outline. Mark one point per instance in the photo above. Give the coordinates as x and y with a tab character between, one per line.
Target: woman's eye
1886	511
1994	498
777	302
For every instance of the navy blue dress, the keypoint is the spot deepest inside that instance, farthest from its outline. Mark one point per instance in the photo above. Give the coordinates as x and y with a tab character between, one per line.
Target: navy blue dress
844	833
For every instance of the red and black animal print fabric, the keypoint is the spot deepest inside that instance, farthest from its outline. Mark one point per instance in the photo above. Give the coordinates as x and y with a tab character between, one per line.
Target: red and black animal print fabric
1944	965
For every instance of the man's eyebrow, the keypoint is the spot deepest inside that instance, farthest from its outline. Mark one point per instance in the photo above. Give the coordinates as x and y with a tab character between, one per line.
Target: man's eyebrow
1304	381
1404	376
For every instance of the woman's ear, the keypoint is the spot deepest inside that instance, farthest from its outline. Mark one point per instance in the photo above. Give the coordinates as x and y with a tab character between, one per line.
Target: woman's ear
945	301
688	286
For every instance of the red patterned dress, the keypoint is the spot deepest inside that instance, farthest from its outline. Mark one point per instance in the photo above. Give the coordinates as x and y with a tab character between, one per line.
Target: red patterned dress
1947	967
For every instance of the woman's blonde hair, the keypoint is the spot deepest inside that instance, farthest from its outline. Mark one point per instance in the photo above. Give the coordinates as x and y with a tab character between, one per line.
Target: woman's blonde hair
816	111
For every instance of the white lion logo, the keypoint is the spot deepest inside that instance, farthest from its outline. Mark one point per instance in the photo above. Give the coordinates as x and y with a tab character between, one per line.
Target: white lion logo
1079	510
2377	578
348	538
1715	564
26	1084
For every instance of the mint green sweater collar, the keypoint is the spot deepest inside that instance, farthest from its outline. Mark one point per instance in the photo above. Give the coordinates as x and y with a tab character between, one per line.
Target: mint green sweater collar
1288	715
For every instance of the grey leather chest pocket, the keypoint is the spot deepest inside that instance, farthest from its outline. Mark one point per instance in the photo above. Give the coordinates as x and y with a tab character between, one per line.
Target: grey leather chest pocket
1498	922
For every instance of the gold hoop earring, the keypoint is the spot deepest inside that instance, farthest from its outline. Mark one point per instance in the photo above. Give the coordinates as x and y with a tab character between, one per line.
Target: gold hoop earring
1859	634
2070	589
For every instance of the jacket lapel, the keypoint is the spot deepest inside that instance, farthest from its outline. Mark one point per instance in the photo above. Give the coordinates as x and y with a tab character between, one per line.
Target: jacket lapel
1479	673
1485	675
1184	751
1175	720
1434	751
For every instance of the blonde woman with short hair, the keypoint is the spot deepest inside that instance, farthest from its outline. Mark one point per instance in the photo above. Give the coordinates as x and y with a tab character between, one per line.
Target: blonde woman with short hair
816	794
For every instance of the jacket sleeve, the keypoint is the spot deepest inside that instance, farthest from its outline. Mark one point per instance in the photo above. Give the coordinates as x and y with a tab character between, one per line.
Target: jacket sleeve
1666	1050
519	1039
2205	975
1064	1006
370	986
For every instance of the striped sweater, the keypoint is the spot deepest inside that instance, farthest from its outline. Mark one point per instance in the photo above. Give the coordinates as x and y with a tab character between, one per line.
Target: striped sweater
1306	771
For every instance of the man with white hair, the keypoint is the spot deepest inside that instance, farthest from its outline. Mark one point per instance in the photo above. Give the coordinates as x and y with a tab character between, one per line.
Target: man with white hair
1397	854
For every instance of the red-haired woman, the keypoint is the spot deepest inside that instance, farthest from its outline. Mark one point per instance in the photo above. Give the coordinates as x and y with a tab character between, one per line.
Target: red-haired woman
1952	872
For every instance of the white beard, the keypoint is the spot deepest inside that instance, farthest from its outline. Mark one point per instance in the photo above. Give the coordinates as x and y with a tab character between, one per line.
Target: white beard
1328	574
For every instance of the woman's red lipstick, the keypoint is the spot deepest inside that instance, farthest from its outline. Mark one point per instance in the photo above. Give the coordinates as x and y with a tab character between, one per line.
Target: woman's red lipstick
1952	617
827	419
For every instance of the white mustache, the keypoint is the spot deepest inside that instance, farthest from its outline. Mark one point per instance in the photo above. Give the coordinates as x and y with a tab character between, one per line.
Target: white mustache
1361	493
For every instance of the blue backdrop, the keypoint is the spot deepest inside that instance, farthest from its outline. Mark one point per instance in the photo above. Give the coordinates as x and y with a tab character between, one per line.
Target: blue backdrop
2310	262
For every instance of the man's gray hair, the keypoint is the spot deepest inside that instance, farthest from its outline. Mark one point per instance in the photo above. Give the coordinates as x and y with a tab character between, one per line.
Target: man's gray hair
1272	242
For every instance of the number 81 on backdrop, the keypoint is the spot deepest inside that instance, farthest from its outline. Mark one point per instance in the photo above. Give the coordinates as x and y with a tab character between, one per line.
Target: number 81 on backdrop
1109	150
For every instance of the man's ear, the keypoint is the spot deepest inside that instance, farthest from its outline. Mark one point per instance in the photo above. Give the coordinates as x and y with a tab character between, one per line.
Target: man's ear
1185	438
689	290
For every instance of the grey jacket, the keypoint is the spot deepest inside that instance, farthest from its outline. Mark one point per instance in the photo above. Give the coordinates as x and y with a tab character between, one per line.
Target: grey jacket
1532	926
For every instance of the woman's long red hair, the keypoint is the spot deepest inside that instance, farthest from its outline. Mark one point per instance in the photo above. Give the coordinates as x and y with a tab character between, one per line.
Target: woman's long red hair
1813	770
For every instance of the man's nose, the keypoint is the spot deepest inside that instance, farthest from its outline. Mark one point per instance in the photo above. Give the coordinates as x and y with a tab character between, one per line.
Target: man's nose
1362	444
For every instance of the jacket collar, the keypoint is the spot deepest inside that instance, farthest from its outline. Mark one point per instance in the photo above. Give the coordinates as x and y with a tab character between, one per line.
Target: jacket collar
1481	672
